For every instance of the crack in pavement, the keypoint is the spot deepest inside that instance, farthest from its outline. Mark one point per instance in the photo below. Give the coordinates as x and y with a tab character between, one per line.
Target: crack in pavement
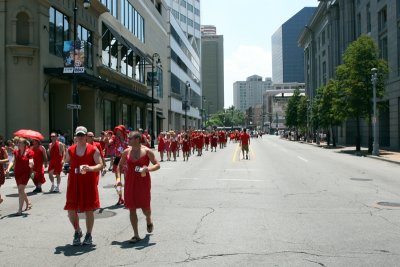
212	210
319	263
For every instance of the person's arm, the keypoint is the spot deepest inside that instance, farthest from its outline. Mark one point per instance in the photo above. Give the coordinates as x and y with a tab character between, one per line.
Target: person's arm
153	160
5	156
120	165
45	160
10	165
62	150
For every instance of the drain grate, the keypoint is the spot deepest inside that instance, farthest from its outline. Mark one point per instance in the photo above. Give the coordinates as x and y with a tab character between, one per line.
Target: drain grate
361	179
99	214
389	204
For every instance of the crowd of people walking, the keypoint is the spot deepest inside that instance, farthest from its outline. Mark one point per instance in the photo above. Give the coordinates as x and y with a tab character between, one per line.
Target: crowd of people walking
131	160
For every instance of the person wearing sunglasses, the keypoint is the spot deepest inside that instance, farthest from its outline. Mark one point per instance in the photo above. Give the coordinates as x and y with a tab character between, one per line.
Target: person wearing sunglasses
82	188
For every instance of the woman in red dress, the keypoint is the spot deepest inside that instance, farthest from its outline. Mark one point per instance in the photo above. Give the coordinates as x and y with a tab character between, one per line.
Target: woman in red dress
82	192
3	160
137	181
214	141
23	164
161	145
39	158
167	141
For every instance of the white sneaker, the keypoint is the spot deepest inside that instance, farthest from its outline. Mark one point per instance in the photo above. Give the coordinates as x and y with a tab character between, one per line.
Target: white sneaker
56	189
51	188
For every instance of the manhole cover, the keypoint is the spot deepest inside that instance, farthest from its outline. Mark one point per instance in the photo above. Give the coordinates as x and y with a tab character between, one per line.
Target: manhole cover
361	179
99	214
389	204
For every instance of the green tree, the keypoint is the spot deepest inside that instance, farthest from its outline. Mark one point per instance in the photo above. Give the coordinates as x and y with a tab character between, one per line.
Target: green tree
291	111
354	77
228	118
302	110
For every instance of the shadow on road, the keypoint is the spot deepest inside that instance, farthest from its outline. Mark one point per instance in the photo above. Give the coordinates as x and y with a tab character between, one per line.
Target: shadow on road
69	250
16	195
142	244
13	215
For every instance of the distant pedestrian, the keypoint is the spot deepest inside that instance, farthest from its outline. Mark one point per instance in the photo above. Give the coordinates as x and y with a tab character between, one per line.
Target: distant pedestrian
39	159
23	165
244	143
185	147
82	191
137	195
56	152
3	161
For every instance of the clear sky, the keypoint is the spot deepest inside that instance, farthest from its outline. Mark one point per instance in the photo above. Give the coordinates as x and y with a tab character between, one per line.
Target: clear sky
247	27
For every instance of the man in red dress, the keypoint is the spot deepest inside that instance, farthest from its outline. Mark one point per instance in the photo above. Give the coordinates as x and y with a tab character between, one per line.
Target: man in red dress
82	192
137	158
244	143
120	143
39	158
57	152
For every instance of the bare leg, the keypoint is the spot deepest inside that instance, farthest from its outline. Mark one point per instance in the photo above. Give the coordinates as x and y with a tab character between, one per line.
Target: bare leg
89	221
74	219
51	176
134	222
22	197
58	180
149	222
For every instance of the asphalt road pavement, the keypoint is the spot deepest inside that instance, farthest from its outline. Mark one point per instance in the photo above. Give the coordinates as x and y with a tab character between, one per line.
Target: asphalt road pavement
290	204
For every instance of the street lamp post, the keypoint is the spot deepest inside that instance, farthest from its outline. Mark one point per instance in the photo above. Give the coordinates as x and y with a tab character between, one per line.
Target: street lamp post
75	94
154	57
187	88
375	146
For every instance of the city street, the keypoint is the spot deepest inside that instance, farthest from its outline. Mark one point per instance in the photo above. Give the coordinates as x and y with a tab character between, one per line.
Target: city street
290	204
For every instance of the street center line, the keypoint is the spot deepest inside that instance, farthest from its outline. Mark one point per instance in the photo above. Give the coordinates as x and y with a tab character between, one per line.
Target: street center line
188	179
303	159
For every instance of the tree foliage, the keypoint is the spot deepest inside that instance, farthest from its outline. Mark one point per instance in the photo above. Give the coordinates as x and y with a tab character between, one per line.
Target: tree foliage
292	110
354	79
227	118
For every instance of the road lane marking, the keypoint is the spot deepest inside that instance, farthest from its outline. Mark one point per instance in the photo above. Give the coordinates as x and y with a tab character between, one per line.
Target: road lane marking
240	180
234	154
187	178
303	159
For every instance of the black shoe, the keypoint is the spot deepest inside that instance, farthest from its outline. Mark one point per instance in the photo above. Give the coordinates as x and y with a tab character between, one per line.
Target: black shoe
247	157
88	240
77	238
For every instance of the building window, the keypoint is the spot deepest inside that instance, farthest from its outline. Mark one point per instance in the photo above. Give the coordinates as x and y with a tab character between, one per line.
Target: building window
109	114
190	7
358	24
383	47
197	11
22	29
382	19
398	7
58	31
132	20
85	35
126	115
324	74
112	6
138	118
109	49
323	37
368	18
183	18
183	3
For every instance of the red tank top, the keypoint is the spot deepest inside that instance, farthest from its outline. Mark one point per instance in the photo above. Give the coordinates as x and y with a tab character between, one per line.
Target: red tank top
85	159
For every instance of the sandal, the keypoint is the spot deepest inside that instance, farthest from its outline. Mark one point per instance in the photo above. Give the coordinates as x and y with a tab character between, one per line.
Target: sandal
18	213
29	206
150	227
134	239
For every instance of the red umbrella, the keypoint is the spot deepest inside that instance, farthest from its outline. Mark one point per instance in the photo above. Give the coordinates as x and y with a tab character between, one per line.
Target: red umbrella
31	134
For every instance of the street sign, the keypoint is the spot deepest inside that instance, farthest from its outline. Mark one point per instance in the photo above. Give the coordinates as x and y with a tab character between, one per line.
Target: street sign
73	106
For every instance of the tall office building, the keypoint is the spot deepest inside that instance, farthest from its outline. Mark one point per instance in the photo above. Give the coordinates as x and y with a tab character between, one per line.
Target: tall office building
185	65
287	57
208	30
249	93
212	70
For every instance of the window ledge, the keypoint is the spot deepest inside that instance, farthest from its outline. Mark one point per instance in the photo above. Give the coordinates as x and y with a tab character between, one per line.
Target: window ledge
22	51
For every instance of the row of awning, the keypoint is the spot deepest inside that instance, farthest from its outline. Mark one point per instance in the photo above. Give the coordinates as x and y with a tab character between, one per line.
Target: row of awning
103	85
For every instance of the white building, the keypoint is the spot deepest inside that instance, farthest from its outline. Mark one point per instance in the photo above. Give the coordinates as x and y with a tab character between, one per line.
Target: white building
249	93
185	43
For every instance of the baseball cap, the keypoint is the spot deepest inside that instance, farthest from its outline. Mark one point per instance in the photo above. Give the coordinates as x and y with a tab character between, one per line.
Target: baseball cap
80	130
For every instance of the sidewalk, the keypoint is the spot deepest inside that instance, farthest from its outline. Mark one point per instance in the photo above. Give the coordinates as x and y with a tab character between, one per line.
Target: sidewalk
385	155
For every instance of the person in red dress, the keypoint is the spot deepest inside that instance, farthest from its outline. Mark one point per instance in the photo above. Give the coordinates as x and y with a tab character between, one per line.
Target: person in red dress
120	144
167	142
214	141
137	181
161	145
90	140
174	145
82	192
244	143
23	165
146	138
39	158
185	147
3	161
57	152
